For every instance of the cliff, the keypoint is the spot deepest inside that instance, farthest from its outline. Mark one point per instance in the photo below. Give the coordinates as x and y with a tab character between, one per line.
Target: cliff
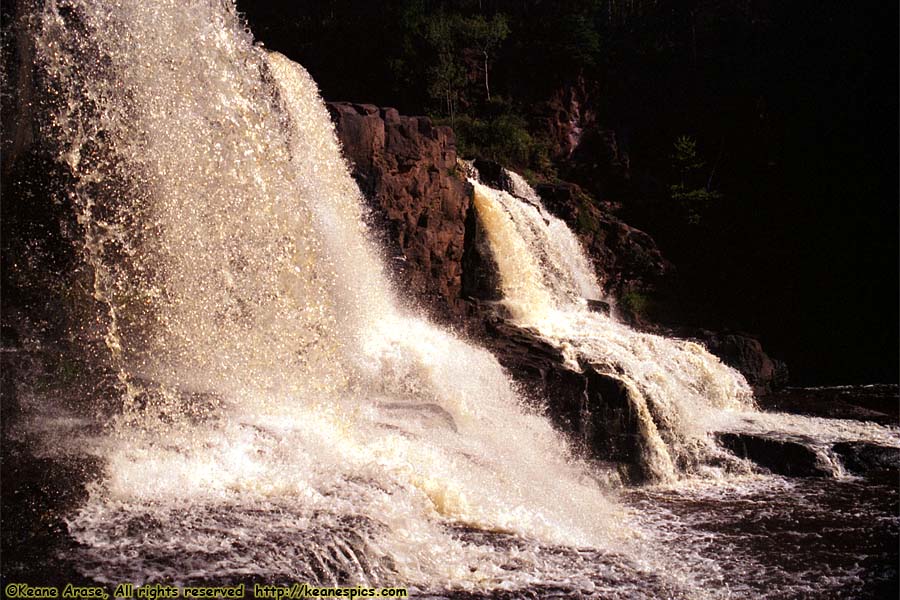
406	167
421	207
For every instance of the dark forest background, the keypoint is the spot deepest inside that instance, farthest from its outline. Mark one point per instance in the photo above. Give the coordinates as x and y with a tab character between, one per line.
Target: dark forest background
757	141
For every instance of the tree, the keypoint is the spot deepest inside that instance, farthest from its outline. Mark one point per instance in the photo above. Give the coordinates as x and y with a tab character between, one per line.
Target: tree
486	35
692	194
438	46
447	75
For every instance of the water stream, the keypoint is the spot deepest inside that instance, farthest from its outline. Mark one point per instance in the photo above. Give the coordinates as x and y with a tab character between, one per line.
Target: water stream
279	417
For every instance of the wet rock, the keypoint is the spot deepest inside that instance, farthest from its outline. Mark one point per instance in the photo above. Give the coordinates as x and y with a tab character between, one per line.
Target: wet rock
627	258
745	353
599	306
780	456
865	458
592	407
480	276
406	168
491	174
877	403
39	493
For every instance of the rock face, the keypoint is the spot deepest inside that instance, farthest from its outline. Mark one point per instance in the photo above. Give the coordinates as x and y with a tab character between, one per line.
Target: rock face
877	403
585	147
783	457
743	352
406	167
421	205
592	407
746	354
627	258
794	458
863	458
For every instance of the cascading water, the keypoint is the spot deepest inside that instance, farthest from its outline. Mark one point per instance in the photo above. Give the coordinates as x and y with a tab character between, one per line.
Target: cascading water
680	392
546	278
280	418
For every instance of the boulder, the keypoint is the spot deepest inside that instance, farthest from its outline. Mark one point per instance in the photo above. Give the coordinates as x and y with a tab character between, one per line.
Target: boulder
591	407
491	174
599	306
627	258
743	352
866	458
877	403
780	456
480	277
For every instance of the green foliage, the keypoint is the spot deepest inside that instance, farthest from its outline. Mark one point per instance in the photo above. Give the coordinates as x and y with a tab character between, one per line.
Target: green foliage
693	203
685	157
692	192
449	51
586	221
486	34
636	303
446	74
576	40
540	156
440	44
504	138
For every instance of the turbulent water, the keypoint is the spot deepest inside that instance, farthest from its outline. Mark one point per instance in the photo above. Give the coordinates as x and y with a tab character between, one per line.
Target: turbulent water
271	387
679	391
281	418
673	386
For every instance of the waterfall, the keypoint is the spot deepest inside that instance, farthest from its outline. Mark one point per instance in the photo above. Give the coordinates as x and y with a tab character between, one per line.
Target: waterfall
675	387
281	417
679	392
276	415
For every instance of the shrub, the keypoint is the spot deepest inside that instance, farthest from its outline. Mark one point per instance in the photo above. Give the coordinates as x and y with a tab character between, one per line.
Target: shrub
692	191
636	303
503	139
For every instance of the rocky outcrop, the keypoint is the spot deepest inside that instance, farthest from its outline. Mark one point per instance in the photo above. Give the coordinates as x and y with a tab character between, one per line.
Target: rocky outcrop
592	407
568	113
877	403
627	258
743	352
583	146
799	457
634	270
480	278
780	456
864	458
406	168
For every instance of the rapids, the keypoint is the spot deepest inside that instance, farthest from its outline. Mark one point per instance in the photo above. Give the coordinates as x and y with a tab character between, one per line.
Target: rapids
277	416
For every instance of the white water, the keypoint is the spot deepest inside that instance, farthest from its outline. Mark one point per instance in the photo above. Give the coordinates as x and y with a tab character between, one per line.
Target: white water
673	385
680	393
282	418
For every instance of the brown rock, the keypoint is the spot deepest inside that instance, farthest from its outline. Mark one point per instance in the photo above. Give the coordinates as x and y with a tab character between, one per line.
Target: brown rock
626	257
406	167
743	352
